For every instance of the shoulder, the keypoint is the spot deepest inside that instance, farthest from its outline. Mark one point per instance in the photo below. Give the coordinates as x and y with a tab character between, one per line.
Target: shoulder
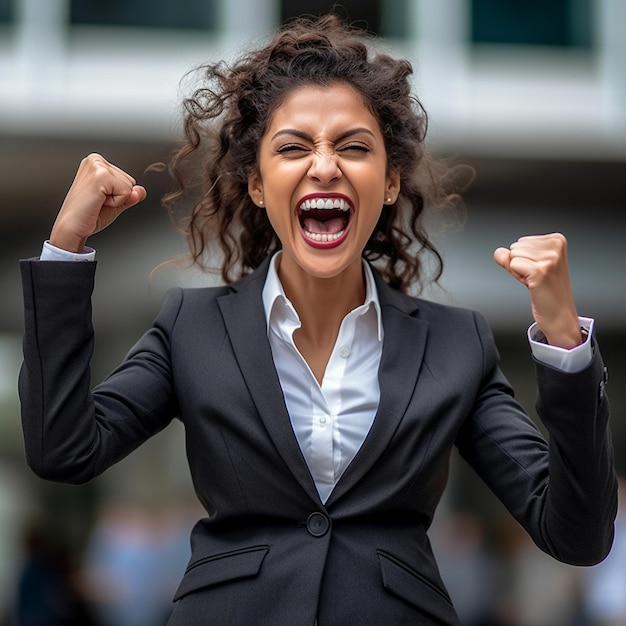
432	309
455	323
189	303
183	303
447	314
417	306
434	312
193	296
450	329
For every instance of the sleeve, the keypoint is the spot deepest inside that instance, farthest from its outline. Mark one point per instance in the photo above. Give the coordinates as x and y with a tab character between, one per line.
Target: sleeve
563	491
52	253
71	433
573	360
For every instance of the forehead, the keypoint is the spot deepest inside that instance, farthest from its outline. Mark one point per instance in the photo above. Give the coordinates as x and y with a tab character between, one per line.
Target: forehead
322	107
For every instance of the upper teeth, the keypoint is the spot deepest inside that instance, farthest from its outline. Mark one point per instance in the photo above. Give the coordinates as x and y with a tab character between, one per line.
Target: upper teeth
325	203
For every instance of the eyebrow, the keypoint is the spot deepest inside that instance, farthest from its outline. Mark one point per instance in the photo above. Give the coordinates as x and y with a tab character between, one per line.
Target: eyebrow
298	133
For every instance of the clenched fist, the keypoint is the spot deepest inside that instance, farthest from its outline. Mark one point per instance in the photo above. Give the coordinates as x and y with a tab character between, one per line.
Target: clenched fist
99	194
540	263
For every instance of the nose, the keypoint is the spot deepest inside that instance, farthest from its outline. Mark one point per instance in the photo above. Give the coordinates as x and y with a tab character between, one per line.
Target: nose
324	168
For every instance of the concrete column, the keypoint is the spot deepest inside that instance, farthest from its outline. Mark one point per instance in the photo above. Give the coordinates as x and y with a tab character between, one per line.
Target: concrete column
611	20
41	28
440	41
246	21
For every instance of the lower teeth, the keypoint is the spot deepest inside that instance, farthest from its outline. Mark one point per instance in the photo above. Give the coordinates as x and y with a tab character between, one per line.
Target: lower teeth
325	236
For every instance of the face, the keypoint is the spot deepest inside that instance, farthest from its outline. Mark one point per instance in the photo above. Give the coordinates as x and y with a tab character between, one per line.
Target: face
323	179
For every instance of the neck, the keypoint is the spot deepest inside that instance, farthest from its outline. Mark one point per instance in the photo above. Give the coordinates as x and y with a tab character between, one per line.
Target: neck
322	303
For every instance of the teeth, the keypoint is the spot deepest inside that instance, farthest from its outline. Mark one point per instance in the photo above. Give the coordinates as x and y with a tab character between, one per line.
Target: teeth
324	237
325	203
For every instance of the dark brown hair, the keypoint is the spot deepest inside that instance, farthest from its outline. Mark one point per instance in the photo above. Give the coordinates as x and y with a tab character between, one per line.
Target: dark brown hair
228	113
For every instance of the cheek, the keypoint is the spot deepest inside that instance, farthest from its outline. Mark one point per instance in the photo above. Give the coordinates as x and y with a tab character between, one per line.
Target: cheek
373	217
279	216
279	185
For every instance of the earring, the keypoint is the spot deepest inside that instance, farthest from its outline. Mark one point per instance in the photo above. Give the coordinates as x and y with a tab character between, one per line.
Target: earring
260	201
388	199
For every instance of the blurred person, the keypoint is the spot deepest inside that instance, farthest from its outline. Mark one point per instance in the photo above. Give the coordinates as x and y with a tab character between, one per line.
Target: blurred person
15	509
605	590
539	591
131	557
468	567
49	590
321	402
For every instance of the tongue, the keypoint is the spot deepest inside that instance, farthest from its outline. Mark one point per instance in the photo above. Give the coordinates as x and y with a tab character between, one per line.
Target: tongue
333	225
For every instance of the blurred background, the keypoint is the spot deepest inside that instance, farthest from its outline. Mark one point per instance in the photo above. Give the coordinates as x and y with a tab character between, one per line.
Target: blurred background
531	93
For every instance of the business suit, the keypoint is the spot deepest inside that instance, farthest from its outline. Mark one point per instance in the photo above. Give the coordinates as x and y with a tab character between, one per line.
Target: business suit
269	551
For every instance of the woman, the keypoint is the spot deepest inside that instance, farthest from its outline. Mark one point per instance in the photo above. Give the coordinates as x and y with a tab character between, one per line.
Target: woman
320	401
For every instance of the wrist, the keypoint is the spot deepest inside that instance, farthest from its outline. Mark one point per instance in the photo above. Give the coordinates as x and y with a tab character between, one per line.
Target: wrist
69	243
566	339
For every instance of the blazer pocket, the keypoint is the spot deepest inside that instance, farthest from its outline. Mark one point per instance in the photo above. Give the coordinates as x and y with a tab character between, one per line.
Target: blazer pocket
220	568
403	581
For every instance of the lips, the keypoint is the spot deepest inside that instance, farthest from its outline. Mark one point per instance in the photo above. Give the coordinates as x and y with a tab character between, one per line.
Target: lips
324	220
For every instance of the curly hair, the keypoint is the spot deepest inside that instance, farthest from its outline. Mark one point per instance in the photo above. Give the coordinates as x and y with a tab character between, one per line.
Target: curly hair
229	112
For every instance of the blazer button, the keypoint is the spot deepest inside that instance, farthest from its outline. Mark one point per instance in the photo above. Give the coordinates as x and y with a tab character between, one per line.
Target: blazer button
604	382
317	524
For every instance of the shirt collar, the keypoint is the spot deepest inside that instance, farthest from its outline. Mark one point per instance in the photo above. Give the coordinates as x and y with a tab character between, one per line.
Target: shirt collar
273	292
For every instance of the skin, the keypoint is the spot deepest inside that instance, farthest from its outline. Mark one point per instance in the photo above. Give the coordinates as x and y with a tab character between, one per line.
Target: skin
99	194
324	141
540	263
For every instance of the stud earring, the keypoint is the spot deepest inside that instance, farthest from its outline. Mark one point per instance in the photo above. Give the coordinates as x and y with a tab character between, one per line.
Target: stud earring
260	201
388	200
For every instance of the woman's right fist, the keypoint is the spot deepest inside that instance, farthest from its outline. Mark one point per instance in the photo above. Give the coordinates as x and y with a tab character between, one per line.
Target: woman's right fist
99	193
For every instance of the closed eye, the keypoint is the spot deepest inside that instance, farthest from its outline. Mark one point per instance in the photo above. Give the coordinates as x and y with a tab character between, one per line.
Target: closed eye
355	147
291	148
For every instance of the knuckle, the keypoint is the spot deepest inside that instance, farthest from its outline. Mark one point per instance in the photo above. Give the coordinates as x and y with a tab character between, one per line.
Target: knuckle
92	158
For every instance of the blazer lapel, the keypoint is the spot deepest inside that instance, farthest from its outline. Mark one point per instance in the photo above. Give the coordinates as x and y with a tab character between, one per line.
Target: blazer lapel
244	317
403	350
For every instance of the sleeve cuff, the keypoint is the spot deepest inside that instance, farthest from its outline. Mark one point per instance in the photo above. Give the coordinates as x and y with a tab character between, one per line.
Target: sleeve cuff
569	361
52	253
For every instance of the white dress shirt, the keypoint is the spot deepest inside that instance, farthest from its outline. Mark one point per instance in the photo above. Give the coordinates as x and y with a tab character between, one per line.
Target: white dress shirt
331	420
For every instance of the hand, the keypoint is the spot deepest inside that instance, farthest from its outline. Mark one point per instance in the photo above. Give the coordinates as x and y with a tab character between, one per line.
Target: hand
540	263
99	194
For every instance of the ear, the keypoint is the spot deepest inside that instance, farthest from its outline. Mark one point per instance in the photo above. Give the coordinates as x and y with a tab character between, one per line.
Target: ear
255	188
392	185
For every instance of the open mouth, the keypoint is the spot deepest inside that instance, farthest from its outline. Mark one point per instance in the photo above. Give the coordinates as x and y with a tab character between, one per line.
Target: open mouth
324	221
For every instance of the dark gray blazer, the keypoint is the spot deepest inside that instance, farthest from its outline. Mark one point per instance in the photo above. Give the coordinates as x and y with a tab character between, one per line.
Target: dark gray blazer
269	552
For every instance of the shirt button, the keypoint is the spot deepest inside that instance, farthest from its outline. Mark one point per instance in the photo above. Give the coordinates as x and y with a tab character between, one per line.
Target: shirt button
344	352
323	420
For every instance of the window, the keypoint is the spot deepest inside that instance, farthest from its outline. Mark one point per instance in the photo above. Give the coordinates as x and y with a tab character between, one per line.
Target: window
183	14
6	11
566	23
384	17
